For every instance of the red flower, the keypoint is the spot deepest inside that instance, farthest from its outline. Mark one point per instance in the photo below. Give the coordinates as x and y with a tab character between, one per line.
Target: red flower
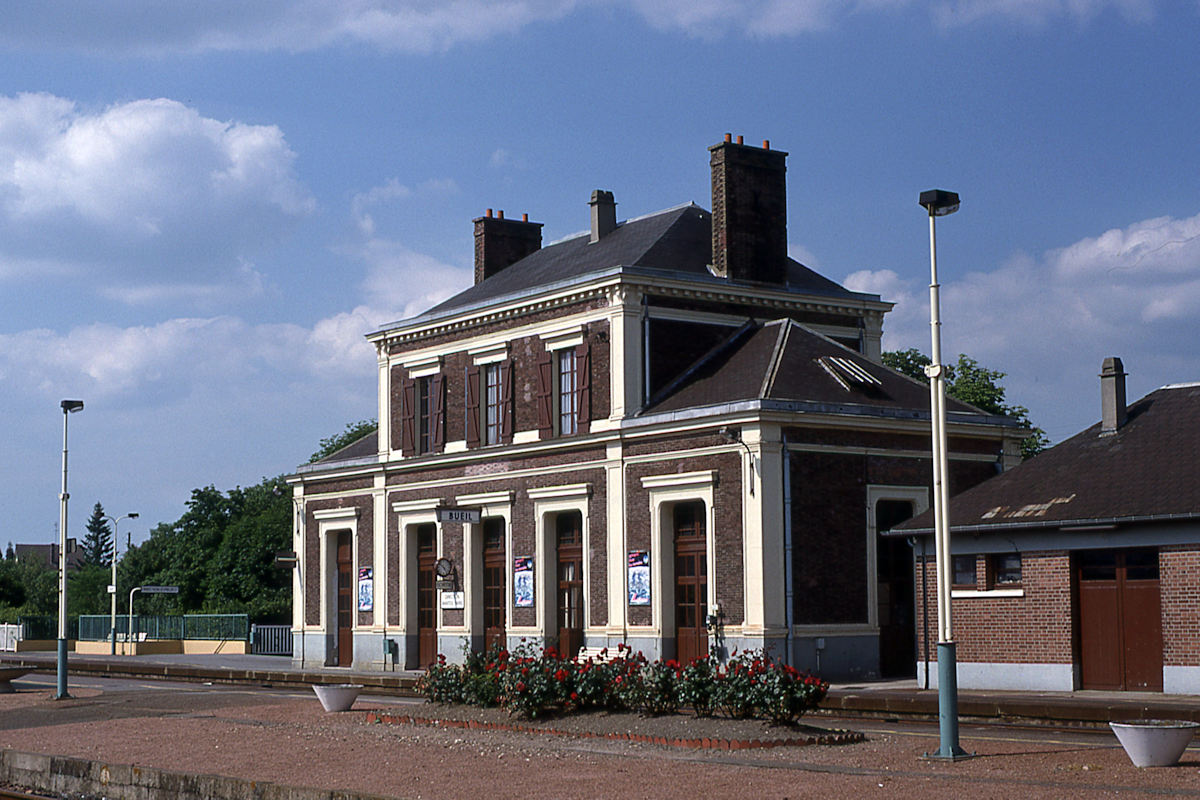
520	686
561	675
574	695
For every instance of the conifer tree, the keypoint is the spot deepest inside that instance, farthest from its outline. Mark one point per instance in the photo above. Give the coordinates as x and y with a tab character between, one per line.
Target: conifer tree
97	545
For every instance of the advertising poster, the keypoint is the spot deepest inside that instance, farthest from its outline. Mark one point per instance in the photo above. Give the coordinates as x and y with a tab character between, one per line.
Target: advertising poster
639	578
523	582
366	589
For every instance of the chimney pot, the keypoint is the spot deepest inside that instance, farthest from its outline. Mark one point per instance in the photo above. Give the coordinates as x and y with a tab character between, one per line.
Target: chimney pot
729	137
500	214
524	218
766	144
1112	396
739	138
489	212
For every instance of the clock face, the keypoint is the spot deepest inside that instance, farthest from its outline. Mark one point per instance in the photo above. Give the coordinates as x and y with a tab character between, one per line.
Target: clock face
444	567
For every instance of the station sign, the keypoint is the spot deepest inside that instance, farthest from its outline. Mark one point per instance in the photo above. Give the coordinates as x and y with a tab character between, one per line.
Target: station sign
462	515
160	590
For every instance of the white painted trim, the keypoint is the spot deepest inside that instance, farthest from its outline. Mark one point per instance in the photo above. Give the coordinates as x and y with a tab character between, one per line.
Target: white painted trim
688	315
526	437
919	497
562	338
415	506
570	490
488	353
422	366
459	446
486	499
1181	680
967	594
337	513
680	480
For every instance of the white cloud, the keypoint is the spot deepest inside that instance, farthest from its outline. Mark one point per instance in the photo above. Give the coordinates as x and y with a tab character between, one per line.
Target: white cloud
1049	321
140	27
111	196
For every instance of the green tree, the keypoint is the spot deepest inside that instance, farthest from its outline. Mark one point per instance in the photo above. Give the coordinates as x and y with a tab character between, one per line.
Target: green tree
87	589
354	431
97	545
27	587
969	381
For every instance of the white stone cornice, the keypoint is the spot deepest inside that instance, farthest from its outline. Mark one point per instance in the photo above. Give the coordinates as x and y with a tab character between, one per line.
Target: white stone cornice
326	514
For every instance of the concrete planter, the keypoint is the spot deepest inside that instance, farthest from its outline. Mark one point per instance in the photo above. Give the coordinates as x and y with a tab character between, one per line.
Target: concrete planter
1154	742
337	696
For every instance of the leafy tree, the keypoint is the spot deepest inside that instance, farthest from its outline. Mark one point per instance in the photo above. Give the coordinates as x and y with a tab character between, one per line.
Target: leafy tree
97	545
87	589
969	381
27	587
354	431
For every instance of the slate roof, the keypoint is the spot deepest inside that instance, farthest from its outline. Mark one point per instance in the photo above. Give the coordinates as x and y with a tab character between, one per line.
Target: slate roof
1149	470
366	446
677	240
780	362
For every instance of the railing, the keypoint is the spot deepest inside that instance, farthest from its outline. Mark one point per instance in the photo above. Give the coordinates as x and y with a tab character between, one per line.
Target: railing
222	627
45	626
271	640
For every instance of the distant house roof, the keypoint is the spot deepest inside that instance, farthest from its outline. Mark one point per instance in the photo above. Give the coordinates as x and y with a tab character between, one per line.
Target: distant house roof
364	448
782	362
675	241
1146	471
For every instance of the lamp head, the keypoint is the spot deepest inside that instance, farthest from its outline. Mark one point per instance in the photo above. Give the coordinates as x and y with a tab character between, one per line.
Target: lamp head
132	515
939	203
71	406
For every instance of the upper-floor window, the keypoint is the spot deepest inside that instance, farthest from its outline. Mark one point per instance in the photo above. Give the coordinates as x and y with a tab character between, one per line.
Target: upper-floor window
489	403
566	399
564	391
422	415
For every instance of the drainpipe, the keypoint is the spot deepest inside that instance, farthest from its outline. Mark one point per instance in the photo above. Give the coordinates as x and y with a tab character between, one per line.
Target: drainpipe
925	606
788	611
645	351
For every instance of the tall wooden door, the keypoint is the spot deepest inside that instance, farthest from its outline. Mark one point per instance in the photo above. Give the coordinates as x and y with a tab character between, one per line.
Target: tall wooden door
569	537
1119	619
426	595
895	592
494	570
345	600
691	582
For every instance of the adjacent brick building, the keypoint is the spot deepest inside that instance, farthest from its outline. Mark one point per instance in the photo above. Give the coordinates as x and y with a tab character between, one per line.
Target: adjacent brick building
1080	569
663	432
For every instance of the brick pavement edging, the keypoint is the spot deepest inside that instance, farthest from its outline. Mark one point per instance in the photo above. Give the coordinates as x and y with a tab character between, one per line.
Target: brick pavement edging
705	743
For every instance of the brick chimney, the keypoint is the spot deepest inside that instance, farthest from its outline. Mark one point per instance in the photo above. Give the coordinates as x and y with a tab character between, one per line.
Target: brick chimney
501	242
749	211
1112	396
604	214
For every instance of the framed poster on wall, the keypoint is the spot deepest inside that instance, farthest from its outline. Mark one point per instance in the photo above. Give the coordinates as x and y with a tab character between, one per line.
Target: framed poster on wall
523	582
639	578
366	589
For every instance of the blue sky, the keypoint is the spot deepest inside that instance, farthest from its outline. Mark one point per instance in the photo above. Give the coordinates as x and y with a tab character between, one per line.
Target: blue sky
202	212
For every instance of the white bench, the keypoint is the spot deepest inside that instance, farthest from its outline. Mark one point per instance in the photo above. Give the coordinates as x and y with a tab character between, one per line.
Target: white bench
594	654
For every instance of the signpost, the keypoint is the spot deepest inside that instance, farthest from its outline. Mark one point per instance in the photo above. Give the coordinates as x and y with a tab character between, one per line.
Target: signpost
462	515
146	590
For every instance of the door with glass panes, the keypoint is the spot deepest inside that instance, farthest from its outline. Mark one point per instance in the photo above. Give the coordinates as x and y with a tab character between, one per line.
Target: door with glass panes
691	582
568	528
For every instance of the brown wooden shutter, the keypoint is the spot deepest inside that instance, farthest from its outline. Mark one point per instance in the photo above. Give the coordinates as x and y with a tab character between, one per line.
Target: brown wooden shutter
506	401
472	402
583	382
408	416
438	390
545	408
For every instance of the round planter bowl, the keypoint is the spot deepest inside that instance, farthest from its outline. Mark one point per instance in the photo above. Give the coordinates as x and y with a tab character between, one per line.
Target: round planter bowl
337	696
1154	742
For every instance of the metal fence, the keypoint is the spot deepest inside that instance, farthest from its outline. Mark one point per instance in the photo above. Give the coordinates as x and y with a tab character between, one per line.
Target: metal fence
271	640
45	626
221	627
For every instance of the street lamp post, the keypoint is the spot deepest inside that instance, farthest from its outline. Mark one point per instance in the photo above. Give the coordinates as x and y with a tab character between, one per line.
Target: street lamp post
941	203
68	407
112	589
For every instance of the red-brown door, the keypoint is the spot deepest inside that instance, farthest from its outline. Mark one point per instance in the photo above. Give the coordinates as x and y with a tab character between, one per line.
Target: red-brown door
569	536
691	582
345	601
494	563
426	595
1119	619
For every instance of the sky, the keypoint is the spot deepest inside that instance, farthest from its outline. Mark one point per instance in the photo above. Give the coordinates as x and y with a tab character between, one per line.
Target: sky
204	207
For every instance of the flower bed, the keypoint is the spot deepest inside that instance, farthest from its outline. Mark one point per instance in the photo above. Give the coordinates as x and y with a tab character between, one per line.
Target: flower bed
532	683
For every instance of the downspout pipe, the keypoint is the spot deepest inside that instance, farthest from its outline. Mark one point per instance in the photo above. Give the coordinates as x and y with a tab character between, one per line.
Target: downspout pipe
788	611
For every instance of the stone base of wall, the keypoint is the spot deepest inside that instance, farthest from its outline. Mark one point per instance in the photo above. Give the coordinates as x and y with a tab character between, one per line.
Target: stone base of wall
76	777
1011	677
1181	680
838	657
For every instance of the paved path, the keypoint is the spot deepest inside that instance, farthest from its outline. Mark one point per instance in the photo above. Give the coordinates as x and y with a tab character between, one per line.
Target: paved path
887	699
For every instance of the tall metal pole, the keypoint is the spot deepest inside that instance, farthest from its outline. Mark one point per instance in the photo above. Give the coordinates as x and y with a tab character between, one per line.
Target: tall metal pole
68	406
112	626
939	204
